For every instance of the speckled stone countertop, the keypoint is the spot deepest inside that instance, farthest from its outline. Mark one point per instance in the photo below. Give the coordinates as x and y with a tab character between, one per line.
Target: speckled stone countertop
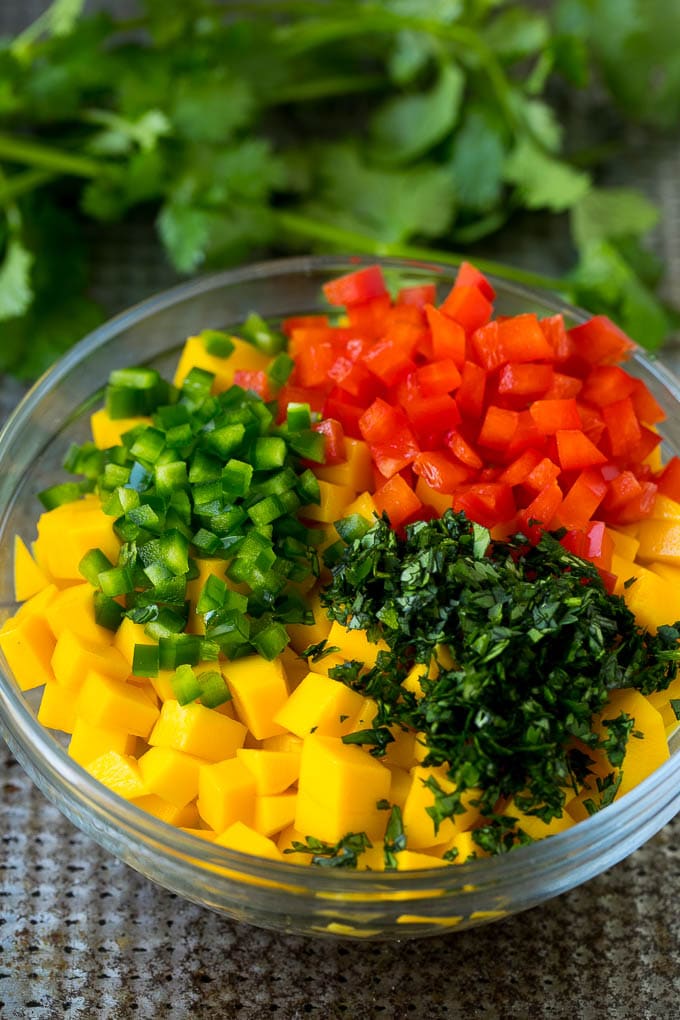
84	936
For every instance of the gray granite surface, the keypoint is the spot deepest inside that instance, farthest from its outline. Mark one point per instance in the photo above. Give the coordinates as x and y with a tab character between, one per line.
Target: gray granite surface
84	936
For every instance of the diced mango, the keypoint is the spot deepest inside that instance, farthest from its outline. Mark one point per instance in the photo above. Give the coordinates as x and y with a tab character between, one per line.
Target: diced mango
411	860
226	794
354	644
73	609
402	750
171	774
104	701
57	708
69	531
439	501
29	578
356	472
244	357
659	540
184	817
242	837
89	742
274	813
652	599
107	432
282	742
364	505
626	546
304	635
74	656
273	771
534	826
418	824
120	773
333	503
643	755
400	784
28	645
321	705
338	790
258	687
661	701
285	841
665	509
35	606
127	636
197	730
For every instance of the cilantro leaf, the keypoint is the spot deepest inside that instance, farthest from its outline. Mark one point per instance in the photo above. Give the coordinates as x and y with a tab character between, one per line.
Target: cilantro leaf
544	182
16	292
479	149
611	213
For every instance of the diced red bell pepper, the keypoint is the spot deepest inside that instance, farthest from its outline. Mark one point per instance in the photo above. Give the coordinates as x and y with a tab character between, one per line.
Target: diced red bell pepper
448	337
538	515
464	451
600	342
440	471
582	499
380	421
487	503
525	380
394	455
669	482
555	332
334	435
623	428
469	276
397	499
369	318
575	451
649	440
486	347
638	507
519	469
470	393
594	544
354	379
433	416
420	294
592	423
356	288
468	306
303	337
622	488
542	474
498	427
526	437
647	408
256	381
438	377
563	386
390	362
552	415
313	363
348	414
521	339
605	384
293	394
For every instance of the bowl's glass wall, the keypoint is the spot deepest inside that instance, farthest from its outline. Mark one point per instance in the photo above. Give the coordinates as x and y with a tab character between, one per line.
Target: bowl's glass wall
317	901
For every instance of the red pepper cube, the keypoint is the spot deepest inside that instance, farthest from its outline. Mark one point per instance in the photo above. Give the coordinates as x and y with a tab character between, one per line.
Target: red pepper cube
636	508
369	317
487	503
356	288
582	499
552	415
526	437
253	380
555	332
467	306
486	346
397	499
471	392
448	337
498	427
647	408
575	451
348	414
440	471
543	473
649	440
623	428
519	470
389	362
379	421
592	423
599	546
622	488
600	342
313	358
537	516
563	386
334	435
469	276
432	416
669	481
290	393
354	379
606	384
525	380
293	322
464	452
521	339
420	294
392	457
438	377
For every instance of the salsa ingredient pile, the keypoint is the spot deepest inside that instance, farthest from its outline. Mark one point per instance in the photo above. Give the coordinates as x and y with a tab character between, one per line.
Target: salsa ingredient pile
389	587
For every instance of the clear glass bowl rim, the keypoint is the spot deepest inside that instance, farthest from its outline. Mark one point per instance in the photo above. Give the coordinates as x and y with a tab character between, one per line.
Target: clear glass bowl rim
565	859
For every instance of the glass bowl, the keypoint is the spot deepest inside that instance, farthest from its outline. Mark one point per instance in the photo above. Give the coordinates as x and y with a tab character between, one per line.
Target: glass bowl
282	896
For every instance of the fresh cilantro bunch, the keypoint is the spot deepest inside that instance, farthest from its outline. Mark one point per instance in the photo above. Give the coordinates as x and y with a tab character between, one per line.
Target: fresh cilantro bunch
391	127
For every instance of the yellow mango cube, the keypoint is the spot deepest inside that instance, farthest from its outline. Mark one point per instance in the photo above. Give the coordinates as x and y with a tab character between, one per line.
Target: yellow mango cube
665	509
661	701
28	644
127	636
184	817
321	705
439	501
418	824
273	771
400	784
534	826
274	813
69	531
104	701
245	839
355	472
303	635
226	794
57	708
338	790
120	773
108	432
244	357
364	505
171	774
285	841
74	656
659	540
89	742
282	742
73	609
625	546
197	730
411	860
258	687
355	645
29	577
643	754
332	505
652	599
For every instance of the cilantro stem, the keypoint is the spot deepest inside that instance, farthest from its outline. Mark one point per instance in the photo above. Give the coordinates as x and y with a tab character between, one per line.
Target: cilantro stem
322	88
349	240
35	154
20	184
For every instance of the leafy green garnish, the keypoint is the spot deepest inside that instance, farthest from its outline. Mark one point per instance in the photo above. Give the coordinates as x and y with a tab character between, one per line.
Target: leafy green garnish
343	854
536	644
